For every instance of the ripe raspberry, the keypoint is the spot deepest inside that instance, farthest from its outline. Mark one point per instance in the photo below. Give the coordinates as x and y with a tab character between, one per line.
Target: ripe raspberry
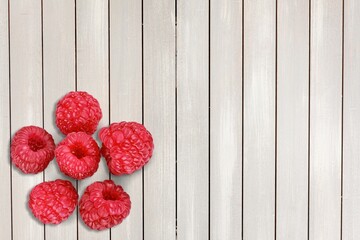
53	201
32	148
126	146
104	205
78	155
78	112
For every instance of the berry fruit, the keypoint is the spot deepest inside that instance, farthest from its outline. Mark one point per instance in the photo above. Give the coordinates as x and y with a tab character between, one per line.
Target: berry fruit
53	201
32	148
78	112
126	146
104	205
78	155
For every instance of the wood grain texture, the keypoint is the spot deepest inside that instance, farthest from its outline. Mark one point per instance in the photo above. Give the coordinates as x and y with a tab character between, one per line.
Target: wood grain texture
351	144
159	118
93	77
126	99
5	163
259	119
26	105
226	119
59	78
193	120
325	119
224	88
292	119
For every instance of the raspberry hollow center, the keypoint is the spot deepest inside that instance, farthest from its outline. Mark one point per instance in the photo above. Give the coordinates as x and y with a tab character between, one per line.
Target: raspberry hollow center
111	195
35	143
78	151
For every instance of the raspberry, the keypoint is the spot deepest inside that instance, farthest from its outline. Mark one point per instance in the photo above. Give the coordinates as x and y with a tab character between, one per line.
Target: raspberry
53	201
78	112
32	148
78	155
126	146
104	205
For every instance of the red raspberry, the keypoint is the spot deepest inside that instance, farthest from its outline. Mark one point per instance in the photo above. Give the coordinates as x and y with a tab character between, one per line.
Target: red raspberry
126	146
78	112
104	205
32	148
53	201
78	155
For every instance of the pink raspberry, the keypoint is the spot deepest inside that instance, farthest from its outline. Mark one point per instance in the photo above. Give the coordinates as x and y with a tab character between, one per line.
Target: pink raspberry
53	201
78	112
32	148
126	146
78	155
104	205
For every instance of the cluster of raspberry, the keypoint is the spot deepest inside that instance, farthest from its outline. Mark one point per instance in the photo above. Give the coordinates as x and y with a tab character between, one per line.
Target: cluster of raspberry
126	147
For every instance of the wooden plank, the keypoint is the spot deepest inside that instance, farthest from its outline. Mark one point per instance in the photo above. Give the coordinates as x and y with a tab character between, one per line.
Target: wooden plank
59	78
93	77
351	144
26	105
193	120
292	119
325	119
126	98
259	119
159	118
226	119
5	165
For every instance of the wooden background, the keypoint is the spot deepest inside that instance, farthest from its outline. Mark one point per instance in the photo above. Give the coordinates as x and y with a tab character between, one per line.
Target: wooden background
254	106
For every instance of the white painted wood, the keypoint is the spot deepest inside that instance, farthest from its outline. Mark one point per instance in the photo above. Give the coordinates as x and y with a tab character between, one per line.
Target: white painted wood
159	118
93	77
259	119
26	105
5	165
292	119
193	120
351	144
189	79
226	119
325	119
59	78
126	99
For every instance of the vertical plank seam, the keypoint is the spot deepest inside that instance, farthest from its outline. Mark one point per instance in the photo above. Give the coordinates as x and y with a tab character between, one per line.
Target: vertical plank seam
109	80
276	108
109	75
142	115
42	85
10	165
342	119
209	116
309	130
42	68
242	117
76	78
176	127
75	16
